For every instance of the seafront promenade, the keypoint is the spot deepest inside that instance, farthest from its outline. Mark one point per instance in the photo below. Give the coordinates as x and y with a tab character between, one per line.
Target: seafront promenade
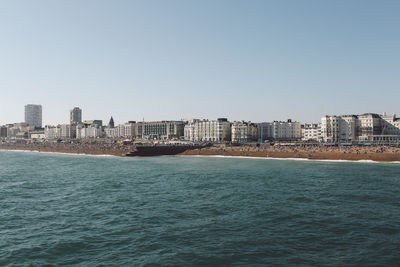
374	153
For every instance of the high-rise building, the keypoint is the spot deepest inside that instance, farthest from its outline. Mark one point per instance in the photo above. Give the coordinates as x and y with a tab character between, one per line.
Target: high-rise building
33	115
75	115
3	132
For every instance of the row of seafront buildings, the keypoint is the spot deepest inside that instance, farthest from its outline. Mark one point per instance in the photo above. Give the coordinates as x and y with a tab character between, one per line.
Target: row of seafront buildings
370	127
220	130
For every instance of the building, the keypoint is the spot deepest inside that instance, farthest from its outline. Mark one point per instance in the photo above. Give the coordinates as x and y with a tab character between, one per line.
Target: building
311	132
37	135
390	125
92	122
368	127
166	130
265	132
336	129
243	132
88	131
189	129
3	132
75	115
52	132
126	130
368	124
14	129
33	115
209	131
65	131
111	123
111	132
279	131
22	136
130	130
286	131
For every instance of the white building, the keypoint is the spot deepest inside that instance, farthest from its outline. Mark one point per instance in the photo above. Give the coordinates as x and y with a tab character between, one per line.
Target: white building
52	132
286	130
127	130
188	131
243	132
367	127
279	130
212	131
89	131
33	115
130	129
391	125
65	131
311	132
111	132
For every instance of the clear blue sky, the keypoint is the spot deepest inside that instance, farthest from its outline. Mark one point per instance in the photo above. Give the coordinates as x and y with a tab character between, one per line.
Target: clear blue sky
245	60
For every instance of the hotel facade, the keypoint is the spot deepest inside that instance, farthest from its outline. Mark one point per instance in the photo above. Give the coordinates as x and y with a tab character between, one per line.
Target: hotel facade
369	127
208	131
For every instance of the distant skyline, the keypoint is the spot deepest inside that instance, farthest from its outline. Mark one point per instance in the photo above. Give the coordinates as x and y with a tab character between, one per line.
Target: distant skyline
168	60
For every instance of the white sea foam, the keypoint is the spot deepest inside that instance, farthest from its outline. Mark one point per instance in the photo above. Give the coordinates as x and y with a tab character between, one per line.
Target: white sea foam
59	153
210	156
294	159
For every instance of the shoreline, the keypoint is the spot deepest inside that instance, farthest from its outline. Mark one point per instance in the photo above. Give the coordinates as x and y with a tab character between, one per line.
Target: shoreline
337	153
68	149
333	155
290	159
59	153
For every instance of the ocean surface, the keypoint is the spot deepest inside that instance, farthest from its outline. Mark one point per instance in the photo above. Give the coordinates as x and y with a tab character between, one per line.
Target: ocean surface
196	211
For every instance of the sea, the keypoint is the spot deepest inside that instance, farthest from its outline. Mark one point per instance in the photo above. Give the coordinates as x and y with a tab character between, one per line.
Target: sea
80	210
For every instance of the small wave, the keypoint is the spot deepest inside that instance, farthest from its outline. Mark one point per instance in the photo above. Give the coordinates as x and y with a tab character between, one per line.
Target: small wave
60	153
294	159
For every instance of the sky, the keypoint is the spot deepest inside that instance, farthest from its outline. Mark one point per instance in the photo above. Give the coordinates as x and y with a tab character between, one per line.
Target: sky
173	59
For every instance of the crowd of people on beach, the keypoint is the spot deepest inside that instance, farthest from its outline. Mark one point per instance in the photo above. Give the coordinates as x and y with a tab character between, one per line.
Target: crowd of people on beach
121	148
72	147
312	149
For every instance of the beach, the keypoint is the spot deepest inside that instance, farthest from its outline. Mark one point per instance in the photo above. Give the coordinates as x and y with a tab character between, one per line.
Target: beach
372	153
79	148
385	154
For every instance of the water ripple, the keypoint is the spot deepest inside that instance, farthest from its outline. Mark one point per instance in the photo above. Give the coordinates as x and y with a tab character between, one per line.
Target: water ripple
181	211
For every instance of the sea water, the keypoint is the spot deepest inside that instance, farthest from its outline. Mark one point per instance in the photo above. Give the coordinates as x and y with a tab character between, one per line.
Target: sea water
185	211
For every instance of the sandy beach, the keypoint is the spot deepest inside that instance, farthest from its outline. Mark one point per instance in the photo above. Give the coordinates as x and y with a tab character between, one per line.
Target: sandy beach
317	152
89	149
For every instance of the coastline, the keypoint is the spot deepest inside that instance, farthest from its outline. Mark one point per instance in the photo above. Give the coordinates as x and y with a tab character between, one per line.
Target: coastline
59	153
292	159
69	149
327	154
333	154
